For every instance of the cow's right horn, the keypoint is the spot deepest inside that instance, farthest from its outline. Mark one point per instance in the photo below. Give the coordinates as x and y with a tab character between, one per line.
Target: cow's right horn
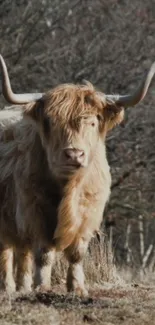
7	90
138	95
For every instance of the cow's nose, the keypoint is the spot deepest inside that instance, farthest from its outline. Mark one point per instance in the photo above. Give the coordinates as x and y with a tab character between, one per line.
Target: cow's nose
74	155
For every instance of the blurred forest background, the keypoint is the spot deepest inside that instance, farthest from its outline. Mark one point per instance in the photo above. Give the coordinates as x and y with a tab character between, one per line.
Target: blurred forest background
110	43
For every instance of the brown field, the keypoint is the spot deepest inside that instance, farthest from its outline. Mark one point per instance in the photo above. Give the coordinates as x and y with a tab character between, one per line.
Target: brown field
114	297
107	304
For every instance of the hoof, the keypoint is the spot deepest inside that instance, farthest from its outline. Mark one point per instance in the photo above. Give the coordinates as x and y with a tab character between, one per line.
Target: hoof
10	288
43	288
80	292
24	290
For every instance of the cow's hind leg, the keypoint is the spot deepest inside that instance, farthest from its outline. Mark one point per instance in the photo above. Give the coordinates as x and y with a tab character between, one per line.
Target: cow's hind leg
44	259
6	269
24	270
75	276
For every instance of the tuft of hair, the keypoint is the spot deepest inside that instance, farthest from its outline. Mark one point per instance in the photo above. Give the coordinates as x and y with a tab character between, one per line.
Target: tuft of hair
69	221
68	102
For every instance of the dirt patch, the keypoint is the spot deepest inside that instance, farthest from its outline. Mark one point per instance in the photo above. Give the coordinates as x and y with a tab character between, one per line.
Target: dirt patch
14	312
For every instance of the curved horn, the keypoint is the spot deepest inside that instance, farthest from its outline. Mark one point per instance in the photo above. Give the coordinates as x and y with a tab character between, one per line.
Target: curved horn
7	90
138	95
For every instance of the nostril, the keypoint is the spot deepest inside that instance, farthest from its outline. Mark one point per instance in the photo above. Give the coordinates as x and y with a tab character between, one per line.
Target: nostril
81	153
68	153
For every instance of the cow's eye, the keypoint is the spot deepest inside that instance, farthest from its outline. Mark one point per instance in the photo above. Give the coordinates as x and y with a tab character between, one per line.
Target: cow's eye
90	121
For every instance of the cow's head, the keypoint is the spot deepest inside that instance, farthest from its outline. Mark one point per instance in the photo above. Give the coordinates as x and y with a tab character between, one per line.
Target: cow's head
73	119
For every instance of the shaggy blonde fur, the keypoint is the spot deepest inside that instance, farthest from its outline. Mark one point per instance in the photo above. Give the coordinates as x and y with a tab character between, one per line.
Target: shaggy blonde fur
46	206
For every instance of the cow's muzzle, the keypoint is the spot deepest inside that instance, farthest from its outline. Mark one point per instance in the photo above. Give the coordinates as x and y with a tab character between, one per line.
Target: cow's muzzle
74	157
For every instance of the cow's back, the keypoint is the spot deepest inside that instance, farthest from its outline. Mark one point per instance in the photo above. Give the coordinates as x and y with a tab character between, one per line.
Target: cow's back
8	120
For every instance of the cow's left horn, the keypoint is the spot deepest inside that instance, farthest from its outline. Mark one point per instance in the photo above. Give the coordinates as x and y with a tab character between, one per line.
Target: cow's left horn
8	94
139	93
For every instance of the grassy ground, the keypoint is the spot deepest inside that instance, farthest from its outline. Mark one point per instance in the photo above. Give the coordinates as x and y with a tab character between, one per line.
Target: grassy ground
113	299
108	304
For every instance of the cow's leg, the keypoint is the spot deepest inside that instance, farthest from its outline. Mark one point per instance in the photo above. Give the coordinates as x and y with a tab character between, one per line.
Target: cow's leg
6	269
75	276
24	270
44	259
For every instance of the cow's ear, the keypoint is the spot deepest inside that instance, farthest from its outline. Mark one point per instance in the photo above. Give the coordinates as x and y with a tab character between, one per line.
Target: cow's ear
114	115
35	110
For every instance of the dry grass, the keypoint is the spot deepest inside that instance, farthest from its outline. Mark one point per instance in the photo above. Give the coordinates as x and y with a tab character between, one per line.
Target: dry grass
107	305
98	264
110	300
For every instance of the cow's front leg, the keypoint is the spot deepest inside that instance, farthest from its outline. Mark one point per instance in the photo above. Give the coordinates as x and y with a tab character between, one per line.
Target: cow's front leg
24	270
44	259
75	276
6	269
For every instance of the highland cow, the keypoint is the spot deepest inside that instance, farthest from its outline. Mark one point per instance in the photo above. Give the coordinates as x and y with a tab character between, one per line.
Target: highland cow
54	177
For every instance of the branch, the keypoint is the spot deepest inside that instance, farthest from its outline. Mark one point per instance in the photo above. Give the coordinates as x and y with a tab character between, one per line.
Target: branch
127	173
